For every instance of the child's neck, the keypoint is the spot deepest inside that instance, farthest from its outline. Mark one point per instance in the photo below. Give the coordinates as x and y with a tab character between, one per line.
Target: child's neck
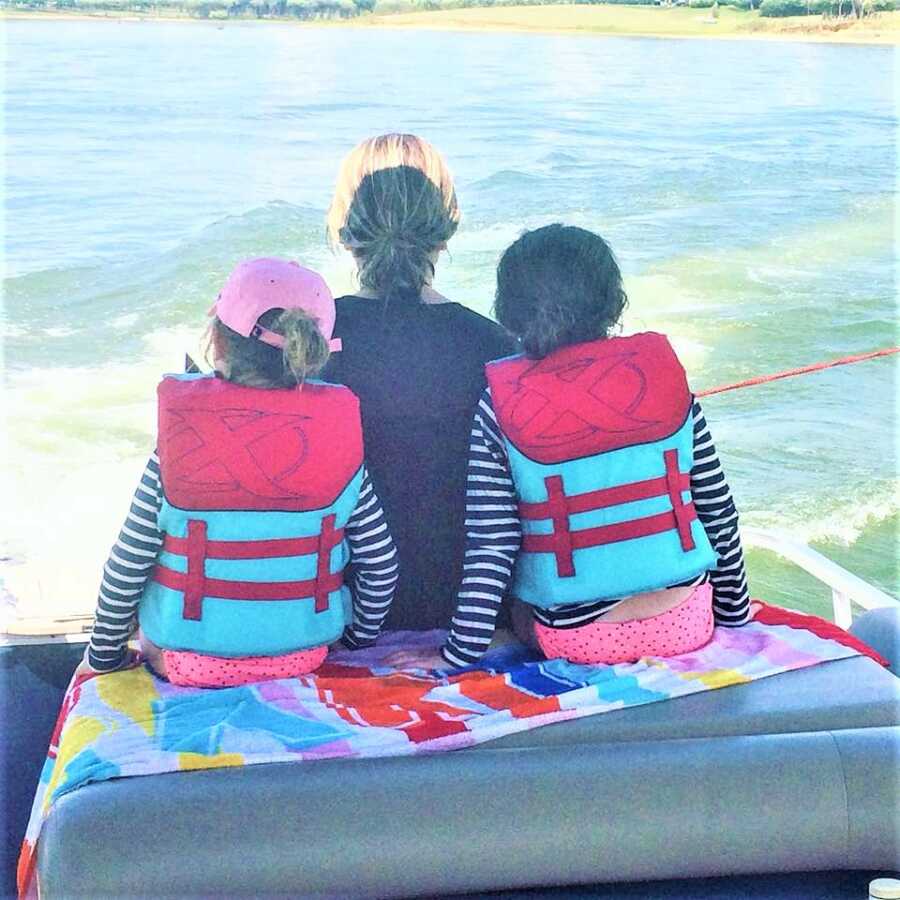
244	381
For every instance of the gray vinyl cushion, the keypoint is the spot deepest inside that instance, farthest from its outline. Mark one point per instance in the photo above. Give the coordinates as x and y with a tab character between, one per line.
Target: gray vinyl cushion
880	629
847	693
498	818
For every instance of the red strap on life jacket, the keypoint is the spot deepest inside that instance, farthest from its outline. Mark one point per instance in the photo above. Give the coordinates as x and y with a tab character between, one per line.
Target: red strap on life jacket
329	538
590	398
563	540
267	549
684	512
195	585
605	497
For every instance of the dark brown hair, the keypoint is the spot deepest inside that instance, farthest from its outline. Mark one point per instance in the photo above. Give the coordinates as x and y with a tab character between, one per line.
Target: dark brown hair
558	285
396	220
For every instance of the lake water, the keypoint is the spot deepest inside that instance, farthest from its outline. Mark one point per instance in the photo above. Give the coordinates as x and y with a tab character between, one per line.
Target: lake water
747	187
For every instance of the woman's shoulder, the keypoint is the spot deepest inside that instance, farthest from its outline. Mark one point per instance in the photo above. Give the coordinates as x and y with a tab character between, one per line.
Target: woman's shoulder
354	313
482	329
465	324
346	303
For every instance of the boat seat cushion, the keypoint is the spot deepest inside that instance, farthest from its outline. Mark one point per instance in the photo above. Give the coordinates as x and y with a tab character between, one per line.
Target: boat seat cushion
880	629
815	749
446	823
846	693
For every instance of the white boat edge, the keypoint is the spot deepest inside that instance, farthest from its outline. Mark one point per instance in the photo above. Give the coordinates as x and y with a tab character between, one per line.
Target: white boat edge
846	588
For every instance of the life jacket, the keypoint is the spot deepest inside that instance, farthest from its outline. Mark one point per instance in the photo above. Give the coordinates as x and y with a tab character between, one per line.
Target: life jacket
257	488
600	443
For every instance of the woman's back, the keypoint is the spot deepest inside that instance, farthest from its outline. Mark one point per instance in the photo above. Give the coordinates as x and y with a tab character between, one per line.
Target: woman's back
418	370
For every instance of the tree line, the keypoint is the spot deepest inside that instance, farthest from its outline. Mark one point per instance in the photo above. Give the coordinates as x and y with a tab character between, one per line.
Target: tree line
207	9
309	10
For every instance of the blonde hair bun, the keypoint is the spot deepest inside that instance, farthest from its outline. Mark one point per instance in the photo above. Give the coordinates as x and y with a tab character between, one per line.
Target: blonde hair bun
305	348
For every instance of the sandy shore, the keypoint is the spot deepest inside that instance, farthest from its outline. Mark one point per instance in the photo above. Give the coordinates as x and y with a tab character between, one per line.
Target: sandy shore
610	21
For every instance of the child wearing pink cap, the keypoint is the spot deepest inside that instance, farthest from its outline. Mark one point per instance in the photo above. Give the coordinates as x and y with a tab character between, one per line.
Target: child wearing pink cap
233	555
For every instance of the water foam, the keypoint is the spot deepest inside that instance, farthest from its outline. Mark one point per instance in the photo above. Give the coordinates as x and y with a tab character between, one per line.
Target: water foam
77	439
839	519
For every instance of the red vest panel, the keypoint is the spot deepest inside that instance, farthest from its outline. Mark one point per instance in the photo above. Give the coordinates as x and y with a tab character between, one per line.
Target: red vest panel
226	446
589	398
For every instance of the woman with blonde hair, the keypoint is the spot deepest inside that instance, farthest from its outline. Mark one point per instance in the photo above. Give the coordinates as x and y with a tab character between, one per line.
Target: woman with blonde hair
414	358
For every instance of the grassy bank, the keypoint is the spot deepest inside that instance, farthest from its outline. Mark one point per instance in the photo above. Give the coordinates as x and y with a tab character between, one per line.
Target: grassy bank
648	20
679	22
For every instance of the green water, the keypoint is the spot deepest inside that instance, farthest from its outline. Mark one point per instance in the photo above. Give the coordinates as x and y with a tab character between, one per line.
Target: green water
747	188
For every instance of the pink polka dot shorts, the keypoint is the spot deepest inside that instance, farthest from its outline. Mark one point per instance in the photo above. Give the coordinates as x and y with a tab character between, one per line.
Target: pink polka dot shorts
198	670
683	628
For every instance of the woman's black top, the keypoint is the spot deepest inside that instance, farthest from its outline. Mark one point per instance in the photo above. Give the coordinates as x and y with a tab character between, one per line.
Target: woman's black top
418	371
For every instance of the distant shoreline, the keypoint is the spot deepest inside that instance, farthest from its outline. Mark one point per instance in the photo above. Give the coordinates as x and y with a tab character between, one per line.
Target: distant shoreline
604	21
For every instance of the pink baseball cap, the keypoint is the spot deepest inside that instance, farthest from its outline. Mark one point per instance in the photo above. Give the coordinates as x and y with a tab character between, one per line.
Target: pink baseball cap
258	285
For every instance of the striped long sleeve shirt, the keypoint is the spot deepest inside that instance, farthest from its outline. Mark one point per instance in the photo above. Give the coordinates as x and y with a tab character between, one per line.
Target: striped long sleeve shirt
494	535
373	571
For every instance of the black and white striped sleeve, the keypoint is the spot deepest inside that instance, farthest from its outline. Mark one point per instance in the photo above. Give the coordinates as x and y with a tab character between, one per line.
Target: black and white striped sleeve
493	538
719	517
373	564
130	564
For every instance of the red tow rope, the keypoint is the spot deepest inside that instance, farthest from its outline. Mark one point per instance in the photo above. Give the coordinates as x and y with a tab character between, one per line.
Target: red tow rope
762	379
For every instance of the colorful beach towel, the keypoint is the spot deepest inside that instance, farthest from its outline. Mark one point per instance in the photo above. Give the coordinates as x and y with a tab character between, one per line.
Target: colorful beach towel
132	723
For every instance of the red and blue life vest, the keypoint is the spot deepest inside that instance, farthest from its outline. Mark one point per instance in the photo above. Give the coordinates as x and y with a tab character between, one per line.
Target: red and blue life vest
600	444
257	487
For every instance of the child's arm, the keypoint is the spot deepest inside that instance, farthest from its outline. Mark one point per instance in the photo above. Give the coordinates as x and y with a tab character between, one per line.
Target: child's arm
493	537
130	564
374	560
719	517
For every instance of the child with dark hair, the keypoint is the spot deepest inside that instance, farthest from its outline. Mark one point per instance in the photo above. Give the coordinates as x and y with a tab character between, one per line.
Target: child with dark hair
595	495
233	555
